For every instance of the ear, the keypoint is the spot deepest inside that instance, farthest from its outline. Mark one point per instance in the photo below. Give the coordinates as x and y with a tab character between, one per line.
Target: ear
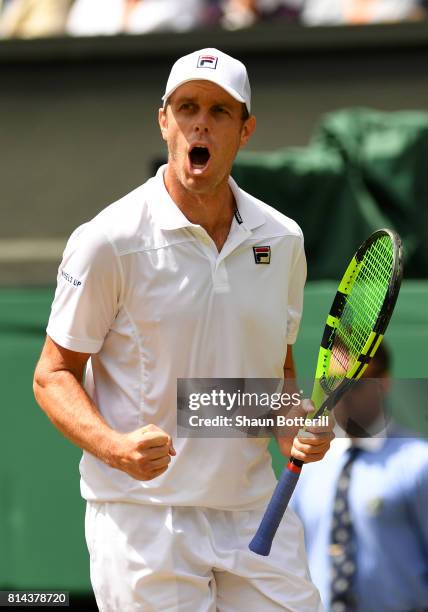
247	130
163	122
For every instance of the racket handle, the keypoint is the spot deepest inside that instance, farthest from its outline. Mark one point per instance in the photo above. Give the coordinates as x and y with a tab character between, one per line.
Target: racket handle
262	541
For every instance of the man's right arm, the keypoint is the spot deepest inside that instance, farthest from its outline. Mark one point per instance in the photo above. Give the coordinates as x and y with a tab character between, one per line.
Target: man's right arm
144	453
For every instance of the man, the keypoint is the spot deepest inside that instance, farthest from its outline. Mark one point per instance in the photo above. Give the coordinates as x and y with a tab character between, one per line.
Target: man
168	283
366	527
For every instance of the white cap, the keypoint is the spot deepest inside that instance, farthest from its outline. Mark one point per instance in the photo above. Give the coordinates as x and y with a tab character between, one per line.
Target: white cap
215	66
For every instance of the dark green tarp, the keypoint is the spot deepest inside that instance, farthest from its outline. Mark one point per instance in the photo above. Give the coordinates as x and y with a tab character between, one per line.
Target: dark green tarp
362	170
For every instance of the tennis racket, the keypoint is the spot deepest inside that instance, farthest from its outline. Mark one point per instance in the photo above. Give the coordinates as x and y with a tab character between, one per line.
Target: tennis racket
355	326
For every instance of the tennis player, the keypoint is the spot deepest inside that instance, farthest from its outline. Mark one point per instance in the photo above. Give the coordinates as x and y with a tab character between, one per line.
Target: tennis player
187	276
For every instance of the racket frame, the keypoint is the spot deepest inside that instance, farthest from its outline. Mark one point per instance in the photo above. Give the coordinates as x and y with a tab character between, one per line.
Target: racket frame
324	399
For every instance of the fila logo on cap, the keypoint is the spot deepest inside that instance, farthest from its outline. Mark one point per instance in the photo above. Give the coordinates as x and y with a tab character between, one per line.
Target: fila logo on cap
207	61
262	254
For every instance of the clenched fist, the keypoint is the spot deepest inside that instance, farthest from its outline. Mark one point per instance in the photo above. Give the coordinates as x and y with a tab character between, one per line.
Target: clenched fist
144	453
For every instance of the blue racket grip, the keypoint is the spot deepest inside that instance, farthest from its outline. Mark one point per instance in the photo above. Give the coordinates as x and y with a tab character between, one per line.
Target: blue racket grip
262	541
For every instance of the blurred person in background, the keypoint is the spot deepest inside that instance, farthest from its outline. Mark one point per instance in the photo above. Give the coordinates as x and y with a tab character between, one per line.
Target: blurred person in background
364	507
357	12
33	18
109	17
244	13
237	14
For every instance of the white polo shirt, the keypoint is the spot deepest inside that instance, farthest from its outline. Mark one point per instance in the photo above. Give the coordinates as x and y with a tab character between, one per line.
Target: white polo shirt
146	292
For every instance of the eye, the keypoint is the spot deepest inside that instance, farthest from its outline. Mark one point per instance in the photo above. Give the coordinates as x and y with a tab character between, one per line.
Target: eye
219	109
186	106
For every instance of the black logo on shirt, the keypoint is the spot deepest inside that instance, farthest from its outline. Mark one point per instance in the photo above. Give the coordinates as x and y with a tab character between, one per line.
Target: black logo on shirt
70	279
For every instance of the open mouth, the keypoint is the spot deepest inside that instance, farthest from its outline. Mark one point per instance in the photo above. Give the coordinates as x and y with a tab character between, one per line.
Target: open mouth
199	157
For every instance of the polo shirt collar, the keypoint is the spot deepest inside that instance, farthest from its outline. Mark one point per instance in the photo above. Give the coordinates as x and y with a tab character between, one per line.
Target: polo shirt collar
164	209
170	217
250	214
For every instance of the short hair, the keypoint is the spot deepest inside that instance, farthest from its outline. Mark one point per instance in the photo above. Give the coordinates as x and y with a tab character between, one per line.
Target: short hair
245	114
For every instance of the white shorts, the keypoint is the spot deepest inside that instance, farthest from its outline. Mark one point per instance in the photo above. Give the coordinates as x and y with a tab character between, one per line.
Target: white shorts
167	559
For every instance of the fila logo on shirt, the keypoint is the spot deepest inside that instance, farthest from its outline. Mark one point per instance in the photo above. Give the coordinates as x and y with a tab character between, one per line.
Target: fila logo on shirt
261	254
207	61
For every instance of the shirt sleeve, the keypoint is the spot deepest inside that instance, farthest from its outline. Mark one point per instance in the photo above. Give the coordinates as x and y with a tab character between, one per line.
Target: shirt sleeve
88	290
295	292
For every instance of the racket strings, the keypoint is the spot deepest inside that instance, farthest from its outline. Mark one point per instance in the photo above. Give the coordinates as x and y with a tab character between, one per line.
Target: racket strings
373	281
362	309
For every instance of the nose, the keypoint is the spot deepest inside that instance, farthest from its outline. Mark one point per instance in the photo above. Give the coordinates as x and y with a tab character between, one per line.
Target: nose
199	127
201	123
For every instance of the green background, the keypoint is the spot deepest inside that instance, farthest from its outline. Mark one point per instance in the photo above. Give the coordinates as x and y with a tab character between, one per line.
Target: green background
41	513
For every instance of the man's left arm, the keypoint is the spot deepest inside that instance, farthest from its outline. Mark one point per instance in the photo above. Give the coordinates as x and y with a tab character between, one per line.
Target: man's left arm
308	448
317	440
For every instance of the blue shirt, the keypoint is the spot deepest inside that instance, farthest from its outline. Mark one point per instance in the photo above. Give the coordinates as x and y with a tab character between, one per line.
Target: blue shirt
388	498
